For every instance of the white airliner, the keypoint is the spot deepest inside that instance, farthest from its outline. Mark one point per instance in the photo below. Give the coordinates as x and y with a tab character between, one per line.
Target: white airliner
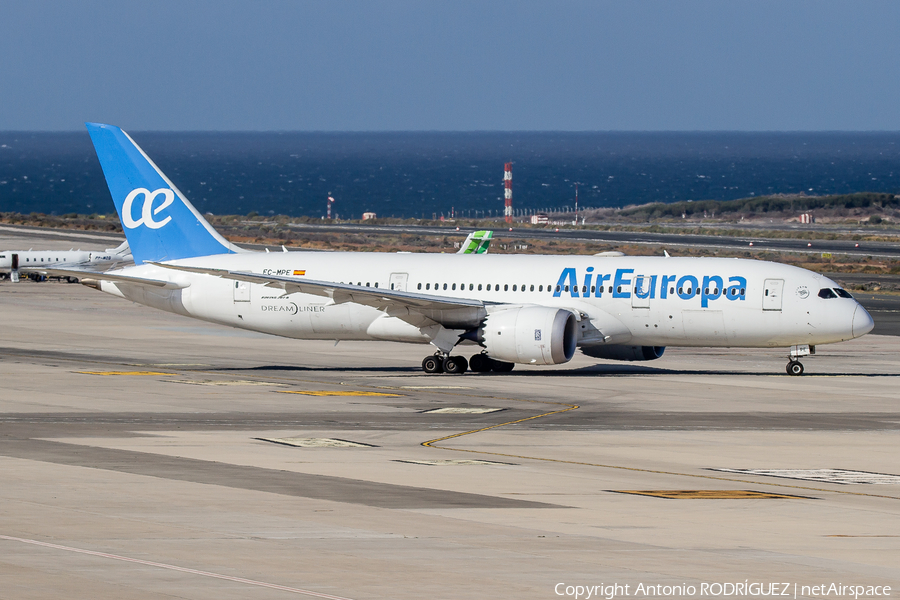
34	261
510	309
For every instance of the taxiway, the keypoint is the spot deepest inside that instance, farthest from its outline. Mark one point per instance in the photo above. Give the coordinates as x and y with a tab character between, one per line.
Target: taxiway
135	464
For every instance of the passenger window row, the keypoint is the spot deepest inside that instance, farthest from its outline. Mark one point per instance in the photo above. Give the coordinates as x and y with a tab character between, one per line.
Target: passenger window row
733	291
584	289
480	287
471	287
368	284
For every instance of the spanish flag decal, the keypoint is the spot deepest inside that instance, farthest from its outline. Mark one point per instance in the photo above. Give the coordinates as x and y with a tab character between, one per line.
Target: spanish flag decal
299	272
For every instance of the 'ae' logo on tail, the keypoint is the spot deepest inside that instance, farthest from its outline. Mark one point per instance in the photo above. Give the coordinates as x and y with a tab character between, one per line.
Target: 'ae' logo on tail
147	210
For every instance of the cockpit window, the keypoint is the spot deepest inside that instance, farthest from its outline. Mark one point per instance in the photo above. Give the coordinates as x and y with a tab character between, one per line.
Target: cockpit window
827	293
842	293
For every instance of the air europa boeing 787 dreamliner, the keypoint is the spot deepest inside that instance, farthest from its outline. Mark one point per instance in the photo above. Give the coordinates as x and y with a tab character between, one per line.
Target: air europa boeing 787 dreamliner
518	309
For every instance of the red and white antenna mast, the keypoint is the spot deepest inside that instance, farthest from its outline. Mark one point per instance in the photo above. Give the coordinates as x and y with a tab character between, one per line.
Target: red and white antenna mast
576	204
507	192
328	207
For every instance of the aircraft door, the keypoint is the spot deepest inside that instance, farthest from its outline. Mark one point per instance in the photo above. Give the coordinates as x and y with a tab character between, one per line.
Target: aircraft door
14	268
640	293
241	291
772	294
398	281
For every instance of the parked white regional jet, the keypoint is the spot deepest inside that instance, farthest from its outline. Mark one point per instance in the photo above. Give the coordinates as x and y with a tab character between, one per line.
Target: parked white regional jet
518	309
34	261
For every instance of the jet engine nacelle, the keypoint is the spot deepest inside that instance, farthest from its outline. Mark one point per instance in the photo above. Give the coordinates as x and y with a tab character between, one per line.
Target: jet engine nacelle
619	352
534	335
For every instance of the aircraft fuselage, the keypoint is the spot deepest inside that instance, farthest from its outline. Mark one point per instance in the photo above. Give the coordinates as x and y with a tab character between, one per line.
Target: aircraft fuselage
629	300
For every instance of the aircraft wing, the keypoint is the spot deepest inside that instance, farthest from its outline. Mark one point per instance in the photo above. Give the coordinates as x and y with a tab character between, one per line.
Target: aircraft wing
450	312
83	274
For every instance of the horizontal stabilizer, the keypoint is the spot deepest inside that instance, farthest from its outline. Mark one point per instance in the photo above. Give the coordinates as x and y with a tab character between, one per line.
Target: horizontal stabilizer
83	274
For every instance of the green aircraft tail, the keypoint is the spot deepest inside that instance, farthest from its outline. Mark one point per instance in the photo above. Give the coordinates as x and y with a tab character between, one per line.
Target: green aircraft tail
476	243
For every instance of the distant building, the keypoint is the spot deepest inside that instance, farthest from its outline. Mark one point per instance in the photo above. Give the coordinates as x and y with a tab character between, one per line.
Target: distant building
807	218
540	219
369	215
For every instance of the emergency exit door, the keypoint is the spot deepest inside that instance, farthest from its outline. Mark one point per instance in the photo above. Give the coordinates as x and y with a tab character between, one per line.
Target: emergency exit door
398	281
772	292
640	292
241	291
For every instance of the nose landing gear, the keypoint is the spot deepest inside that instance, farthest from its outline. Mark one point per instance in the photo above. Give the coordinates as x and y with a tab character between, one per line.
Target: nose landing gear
795	367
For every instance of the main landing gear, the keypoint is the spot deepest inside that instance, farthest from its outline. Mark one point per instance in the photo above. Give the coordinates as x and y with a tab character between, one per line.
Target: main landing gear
482	363
457	365
454	365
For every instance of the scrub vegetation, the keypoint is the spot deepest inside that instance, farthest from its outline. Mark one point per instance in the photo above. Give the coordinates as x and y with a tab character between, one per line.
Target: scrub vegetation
851	208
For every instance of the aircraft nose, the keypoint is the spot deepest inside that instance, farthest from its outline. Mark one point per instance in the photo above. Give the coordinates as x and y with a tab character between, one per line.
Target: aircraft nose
862	322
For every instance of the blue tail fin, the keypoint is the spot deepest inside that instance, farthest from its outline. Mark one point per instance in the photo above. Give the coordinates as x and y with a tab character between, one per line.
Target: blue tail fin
159	222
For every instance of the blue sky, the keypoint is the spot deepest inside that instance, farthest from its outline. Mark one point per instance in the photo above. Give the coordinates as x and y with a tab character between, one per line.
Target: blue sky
455	65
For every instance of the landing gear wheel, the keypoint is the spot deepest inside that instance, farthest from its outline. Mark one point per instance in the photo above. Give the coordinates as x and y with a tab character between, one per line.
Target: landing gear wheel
455	365
433	364
480	363
501	367
794	368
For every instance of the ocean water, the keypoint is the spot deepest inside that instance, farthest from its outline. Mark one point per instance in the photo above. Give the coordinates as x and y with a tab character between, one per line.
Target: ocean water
432	173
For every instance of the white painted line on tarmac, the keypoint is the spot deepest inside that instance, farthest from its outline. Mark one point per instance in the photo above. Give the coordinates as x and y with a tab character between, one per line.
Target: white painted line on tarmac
433	387
302	442
273	586
453	462
461	410
222	383
840	476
